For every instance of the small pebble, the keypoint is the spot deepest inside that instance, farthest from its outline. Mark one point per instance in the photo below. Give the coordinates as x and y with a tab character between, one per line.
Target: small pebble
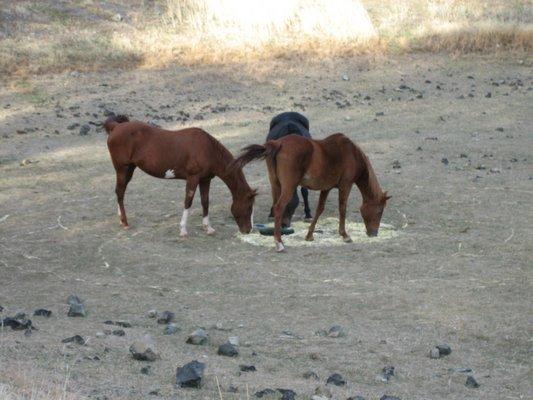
166	317
444	349
41	312
171	329
228	350
142	352
198	337
471	382
336	379
190	375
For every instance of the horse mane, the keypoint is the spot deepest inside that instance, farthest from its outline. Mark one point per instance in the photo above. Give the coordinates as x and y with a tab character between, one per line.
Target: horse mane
367	177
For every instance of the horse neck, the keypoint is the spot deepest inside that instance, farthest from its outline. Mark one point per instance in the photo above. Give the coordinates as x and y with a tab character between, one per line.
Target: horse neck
366	180
235	181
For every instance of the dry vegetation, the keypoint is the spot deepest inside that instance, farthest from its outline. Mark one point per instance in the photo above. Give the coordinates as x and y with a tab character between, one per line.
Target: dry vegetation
53	36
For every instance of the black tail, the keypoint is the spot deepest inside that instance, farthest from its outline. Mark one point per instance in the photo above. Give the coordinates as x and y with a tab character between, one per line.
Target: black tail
112	121
256	152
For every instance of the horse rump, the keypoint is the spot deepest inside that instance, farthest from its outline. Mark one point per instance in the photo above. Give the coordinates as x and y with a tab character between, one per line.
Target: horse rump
256	152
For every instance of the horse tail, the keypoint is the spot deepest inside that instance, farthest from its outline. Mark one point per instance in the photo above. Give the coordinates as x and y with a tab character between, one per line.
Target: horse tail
257	152
112	121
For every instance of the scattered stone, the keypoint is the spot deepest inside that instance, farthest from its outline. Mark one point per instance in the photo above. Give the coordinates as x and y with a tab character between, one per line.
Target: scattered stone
345	78
356	398
386	374
233	389
123	324
434	353
77	309
84	130
117	17
234	340
41	312
387	397
166	317
336	379
499	129
142	352
265	392
171	328
152	313
396	164
247	368
317	397
310	375
228	350
25	162
190	375
119	332
287	394
471	382
380	114
74	339
100	335
336	331
18	323
460	370
444	349
198	337
1	309
488	95
73	126
445	161
146	370
154	391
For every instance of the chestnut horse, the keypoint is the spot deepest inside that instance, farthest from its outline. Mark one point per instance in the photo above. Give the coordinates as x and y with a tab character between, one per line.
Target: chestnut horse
190	154
334	162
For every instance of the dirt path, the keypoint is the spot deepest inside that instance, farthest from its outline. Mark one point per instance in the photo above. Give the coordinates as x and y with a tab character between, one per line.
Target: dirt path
459	272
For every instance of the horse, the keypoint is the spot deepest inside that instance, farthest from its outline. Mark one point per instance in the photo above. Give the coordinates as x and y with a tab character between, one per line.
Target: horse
190	154
334	162
282	125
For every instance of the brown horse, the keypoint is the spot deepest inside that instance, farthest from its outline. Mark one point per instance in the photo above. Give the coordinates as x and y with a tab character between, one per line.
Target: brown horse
334	162
190	154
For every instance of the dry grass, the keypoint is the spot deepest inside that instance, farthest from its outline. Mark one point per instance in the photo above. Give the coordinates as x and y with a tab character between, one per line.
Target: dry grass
46	36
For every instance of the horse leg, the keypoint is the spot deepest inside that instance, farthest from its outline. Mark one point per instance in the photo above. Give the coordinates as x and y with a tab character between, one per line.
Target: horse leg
319	210
190	189
124	174
204	195
290	209
279	208
307	209
344	193
275	187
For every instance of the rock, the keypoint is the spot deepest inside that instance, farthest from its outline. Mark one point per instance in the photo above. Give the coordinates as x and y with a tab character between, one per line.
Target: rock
100	335
380	114
460	370
387	397
499	129
317	397
287	394
166	317
386	374
74	339
73	126
123	324
18	323
84	130
434	353
190	375
25	162
396	164
198	337
356	398
488	95
310	375
228	350
152	313
41	312
233	389
336	331
445	161
117	17
154	391
171	328
142	352
471	382
264	392
234	340
1	309
119	332
146	370
336	379
444	349
345	78
247	368
77	309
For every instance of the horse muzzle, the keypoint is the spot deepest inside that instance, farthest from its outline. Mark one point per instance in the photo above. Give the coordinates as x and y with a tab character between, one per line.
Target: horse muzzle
372	232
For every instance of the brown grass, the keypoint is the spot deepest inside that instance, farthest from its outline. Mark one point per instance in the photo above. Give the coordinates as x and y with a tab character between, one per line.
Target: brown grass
44	36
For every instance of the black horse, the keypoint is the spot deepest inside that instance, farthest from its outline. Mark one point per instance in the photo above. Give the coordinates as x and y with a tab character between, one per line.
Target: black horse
284	124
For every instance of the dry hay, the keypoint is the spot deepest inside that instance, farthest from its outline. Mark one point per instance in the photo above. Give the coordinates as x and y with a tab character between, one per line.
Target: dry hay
326	234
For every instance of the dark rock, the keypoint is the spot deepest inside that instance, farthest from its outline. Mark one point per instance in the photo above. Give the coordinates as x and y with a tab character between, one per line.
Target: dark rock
73	126
471	382
233	389
336	331
388	371
265	392
74	339
119	332
356	398
287	394
146	370
444	349
171	329
190	375
198	337
84	130
166	317
77	309
1	309
488	95
396	164
380	114
387	397
445	161
41	312
336	379
123	324
140	351
18	324
154	391
228	350
499	129
247	368
310	375
460	370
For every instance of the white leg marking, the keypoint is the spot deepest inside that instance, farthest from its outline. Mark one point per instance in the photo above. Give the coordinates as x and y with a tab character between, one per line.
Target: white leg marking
207	226
252	218
183	223
118	211
279	247
169	174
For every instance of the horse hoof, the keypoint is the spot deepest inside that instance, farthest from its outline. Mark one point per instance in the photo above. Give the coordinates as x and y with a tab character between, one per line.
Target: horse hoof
347	239
184	236
279	247
309	238
125	226
308	219
209	231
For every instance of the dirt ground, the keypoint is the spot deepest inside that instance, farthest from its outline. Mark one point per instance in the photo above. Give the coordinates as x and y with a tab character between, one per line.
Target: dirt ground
459	169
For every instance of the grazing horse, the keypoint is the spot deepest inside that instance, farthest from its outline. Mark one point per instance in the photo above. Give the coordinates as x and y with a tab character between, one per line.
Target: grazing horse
281	125
190	154
334	162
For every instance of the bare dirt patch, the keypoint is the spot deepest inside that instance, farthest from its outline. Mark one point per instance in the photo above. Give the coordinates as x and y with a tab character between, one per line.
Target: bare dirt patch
456	159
